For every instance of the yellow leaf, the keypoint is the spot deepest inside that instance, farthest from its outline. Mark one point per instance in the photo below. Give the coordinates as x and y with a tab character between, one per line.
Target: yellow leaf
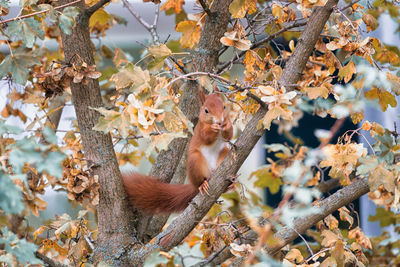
272	114
294	255
366	126
347	72
238	9
315	92
100	17
160	51
331	222
384	98
38	232
190	33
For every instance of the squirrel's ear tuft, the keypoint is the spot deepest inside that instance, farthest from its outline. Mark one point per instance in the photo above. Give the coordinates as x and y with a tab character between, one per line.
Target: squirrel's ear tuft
202	96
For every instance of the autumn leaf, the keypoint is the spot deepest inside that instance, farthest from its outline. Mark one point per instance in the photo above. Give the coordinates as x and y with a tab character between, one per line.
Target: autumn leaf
267	179
344	214
238	8
331	222
236	37
343	158
315	92
347	71
190	33
131	76
159	51
294	255
175	5
360	237
329	238
99	17
382	176
370	21
384	98
112	120
119	57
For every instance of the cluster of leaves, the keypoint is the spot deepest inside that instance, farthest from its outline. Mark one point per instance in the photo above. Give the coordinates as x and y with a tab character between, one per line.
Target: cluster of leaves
25	164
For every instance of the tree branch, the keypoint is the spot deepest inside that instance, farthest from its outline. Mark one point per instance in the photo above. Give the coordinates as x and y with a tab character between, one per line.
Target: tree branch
39	12
48	261
327	206
220	179
90	10
205	7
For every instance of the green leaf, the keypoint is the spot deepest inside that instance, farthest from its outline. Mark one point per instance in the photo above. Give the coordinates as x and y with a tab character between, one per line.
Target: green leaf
20	248
10	196
112	120
19	66
50	136
131	75
385	217
27	150
368	164
9	129
67	19
26	30
24	3
5	3
267	179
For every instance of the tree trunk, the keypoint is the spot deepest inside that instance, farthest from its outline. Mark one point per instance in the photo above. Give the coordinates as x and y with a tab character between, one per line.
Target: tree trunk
115	217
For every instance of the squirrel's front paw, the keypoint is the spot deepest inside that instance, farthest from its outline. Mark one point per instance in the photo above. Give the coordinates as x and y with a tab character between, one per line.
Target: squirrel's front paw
204	187
216	127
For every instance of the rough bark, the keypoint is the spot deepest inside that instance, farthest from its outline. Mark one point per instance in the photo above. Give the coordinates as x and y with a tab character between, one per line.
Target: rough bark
206	59
327	206
286	235
115	228
219	181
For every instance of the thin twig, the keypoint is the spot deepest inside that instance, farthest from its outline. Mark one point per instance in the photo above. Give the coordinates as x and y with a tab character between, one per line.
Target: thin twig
38	12
146	25
260	42
205	8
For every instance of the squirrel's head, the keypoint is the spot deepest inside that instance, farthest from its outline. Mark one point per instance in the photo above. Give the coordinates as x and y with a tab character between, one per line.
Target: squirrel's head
213	109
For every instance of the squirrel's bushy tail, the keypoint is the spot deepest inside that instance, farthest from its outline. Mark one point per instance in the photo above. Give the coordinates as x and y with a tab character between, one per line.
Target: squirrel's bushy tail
152	196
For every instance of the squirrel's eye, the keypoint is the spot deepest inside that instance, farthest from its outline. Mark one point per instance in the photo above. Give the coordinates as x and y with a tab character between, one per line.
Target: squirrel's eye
224	107
206	110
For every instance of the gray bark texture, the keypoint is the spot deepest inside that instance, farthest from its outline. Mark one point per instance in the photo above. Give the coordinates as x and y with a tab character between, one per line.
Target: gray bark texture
115	217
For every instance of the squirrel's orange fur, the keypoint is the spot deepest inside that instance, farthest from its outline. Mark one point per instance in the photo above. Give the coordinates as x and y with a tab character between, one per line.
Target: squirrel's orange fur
207	148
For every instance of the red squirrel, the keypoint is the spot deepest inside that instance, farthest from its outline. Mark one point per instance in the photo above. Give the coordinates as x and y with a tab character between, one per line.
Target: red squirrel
207	148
